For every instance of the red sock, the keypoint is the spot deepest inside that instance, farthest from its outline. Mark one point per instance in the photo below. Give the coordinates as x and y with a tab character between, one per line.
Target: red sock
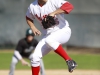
62	53
35	70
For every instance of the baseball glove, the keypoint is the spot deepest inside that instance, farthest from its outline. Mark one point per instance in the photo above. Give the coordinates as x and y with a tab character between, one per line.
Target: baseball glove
48	22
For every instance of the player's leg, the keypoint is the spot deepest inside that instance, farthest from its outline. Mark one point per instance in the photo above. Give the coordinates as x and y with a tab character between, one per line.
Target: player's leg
56	39
13	65
40	50
42	70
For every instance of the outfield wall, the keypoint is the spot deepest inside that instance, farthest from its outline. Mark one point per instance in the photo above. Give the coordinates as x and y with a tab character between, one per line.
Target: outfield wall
84	21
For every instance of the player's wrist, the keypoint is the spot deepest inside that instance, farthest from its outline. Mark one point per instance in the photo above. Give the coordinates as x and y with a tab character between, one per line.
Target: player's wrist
52	14
21	59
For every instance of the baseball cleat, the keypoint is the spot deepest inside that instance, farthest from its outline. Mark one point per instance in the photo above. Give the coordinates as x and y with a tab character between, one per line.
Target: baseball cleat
71	65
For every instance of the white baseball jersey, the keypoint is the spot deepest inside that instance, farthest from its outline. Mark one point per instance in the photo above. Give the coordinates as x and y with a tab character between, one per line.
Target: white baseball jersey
35	11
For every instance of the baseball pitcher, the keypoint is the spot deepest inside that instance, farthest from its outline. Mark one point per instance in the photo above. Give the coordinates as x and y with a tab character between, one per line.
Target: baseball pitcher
56	30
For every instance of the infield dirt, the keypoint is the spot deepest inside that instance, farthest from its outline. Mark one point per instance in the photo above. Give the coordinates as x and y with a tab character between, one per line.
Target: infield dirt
54	72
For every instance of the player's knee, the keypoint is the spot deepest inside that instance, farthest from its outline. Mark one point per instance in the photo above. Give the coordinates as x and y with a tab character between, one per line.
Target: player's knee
48	41
52	43
14	60
35	61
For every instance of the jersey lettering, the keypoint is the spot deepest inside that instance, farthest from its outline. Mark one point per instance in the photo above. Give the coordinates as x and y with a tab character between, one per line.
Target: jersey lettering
40	18
29	50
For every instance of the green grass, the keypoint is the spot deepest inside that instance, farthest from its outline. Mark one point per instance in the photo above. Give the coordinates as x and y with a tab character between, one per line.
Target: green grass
84	61
5	60
53	61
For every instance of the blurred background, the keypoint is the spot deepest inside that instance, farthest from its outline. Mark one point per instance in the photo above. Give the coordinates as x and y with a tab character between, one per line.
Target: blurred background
84	21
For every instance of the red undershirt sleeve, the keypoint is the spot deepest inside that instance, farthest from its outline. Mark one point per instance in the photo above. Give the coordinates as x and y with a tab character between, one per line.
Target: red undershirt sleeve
67	7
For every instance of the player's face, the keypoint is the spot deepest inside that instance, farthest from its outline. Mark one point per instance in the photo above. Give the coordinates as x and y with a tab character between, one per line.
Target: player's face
29	38
42	1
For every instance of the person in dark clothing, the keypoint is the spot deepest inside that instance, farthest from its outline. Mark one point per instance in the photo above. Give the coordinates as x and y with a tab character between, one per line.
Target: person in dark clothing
24	49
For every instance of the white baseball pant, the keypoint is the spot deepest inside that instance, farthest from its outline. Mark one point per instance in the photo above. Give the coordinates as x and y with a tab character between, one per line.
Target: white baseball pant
50	42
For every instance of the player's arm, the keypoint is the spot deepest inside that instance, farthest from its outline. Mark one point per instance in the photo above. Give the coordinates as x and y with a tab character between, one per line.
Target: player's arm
31	24
20	58
29	20
64	8
18	55
18	50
